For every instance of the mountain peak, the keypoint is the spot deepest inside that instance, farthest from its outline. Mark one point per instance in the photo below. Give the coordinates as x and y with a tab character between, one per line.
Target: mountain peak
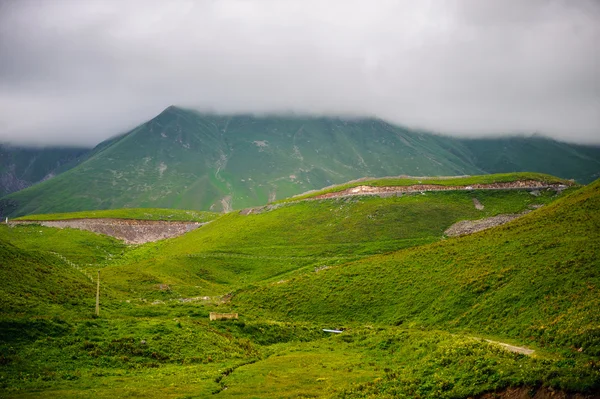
171	109
169	113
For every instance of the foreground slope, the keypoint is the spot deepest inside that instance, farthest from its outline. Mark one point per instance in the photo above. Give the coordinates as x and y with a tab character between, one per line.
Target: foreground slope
188	160
33	282
151	340
535	279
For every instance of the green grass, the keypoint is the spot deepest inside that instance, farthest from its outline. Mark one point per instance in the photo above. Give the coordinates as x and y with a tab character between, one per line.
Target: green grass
291	239
79	246
401	363
38	283
439	181
413	304
535	280
129	213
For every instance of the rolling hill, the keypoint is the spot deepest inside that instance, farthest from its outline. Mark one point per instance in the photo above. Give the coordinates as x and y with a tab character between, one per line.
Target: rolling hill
188	160
422	315
527	279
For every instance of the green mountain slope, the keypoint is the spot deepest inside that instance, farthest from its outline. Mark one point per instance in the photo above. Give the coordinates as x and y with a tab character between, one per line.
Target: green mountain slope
535	279
535	154
21	167
277	242
187	160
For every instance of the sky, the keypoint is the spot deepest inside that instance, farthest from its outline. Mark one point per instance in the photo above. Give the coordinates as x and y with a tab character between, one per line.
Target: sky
77	72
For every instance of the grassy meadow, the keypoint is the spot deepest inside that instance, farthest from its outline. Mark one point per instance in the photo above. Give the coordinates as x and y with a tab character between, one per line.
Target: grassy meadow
415	307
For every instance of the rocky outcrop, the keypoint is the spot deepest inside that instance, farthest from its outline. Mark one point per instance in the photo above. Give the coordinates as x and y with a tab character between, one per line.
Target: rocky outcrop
473	226
9	182
130	231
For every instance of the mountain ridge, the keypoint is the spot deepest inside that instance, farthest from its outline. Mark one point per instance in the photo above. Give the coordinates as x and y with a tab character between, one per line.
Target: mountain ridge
189	160
21	167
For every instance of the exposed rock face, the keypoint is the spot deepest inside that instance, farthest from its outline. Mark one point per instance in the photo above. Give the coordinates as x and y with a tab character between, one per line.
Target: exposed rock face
478	205
473	226
130	231
9	182
20	167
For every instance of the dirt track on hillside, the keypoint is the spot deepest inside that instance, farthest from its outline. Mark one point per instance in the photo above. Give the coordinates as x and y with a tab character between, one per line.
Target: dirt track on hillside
390	190
130	231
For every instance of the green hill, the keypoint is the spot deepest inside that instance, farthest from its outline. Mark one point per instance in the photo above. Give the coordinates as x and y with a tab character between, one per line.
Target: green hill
535	279
129	213
276	241
36	283
415	306
187	160
441	182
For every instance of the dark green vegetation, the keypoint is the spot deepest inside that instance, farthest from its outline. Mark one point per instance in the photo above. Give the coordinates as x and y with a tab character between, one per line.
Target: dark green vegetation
187	160
22	167
414	306
129	213
535	154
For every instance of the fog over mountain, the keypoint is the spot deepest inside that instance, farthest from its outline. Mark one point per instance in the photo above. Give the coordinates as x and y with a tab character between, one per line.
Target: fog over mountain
77	72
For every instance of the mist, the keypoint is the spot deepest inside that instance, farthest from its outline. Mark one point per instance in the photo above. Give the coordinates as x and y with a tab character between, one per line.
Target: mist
76	73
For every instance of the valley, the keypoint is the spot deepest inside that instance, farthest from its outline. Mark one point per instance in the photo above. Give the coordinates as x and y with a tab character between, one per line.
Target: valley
294	199
421	314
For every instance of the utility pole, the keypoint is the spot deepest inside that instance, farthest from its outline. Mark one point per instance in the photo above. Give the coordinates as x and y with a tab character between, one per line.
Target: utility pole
98	296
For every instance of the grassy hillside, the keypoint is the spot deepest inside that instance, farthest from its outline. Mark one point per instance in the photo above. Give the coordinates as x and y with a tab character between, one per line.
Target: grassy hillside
37	283
129	213
413	318
281	240
438	181
186	160
81	247
535	279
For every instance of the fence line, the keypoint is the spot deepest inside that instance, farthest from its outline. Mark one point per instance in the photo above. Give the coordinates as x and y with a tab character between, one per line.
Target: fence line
73	265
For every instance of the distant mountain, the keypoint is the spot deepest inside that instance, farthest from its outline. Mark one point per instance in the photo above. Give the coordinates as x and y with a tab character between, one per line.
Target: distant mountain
535	154
185	159
21	167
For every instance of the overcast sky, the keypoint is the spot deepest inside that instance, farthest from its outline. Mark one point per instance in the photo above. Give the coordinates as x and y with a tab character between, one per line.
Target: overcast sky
77	72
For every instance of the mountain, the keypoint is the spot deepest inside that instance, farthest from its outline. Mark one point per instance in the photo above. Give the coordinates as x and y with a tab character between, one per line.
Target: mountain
535	154
188	160
21	167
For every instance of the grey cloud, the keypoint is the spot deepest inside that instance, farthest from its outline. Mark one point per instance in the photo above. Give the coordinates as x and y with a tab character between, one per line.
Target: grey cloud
78	72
